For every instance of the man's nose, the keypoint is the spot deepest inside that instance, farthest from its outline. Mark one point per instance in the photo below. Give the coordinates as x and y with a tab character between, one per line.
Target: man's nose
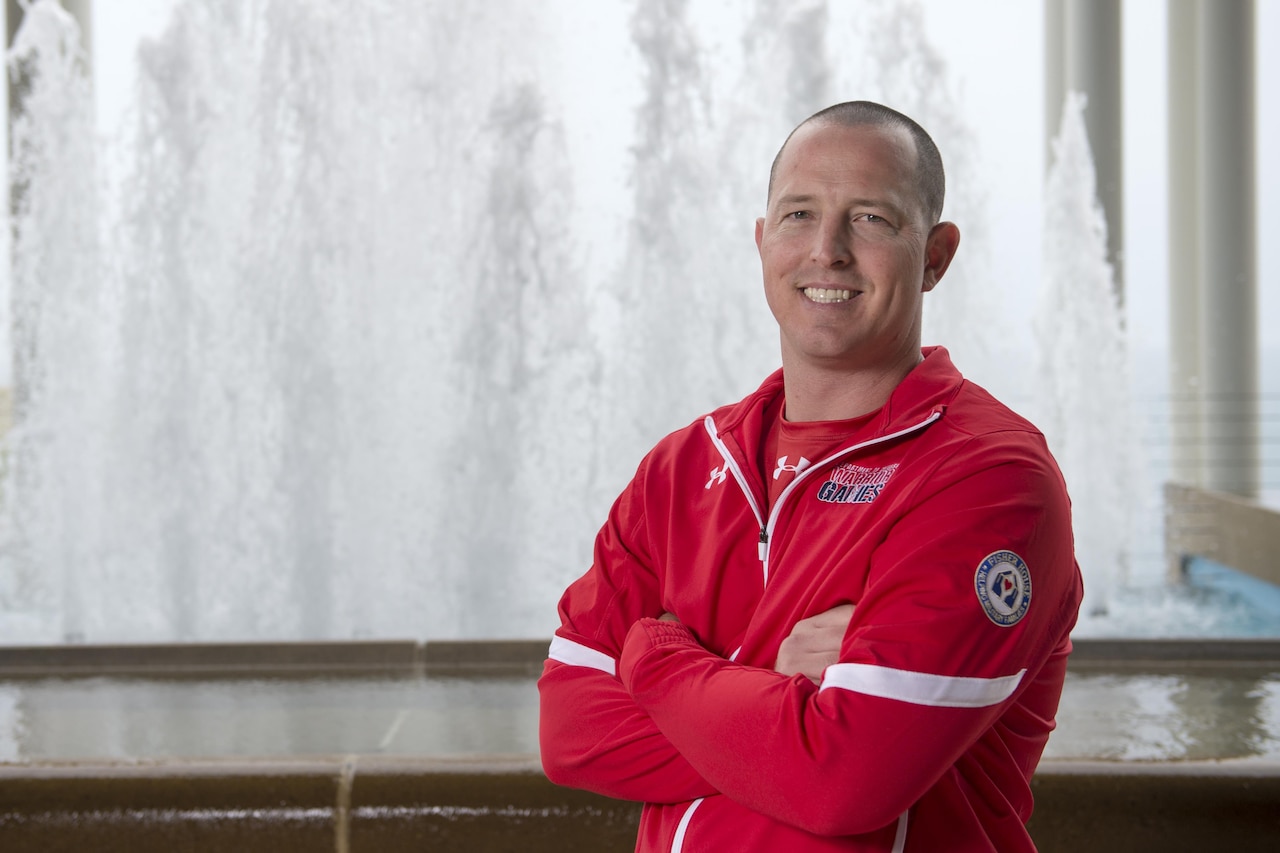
833	245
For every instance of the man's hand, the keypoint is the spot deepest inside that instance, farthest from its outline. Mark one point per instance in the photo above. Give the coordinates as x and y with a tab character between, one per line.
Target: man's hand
814	643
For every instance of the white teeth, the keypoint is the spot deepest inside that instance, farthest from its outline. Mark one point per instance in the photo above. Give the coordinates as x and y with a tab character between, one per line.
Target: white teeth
822	294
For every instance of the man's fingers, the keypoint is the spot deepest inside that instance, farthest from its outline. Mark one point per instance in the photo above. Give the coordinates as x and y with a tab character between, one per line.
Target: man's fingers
814	643
833	618
841	614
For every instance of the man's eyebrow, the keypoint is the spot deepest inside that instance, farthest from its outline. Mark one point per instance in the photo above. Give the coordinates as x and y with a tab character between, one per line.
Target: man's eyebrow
794	199
873	203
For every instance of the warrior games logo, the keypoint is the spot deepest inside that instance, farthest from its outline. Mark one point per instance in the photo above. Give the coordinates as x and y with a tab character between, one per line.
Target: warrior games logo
1003	584
853	484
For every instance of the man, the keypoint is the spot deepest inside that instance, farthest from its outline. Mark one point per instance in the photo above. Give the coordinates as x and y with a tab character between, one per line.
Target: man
835	615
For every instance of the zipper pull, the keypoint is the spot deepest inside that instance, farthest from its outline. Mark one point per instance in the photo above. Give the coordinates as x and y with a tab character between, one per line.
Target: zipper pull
764	543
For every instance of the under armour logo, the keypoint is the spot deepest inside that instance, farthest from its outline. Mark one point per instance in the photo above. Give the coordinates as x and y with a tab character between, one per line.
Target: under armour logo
717	476
794	469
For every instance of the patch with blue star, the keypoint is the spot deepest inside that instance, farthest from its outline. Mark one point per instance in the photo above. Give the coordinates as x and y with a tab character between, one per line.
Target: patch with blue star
1003	584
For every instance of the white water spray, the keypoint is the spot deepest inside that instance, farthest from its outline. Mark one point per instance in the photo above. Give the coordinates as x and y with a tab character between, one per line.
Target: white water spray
1083	389
345	355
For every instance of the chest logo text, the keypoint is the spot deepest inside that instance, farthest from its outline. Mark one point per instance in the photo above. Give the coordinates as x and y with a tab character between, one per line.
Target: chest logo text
853	484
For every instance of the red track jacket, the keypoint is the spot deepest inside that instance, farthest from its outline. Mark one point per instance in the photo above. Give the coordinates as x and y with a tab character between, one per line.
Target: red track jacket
944	520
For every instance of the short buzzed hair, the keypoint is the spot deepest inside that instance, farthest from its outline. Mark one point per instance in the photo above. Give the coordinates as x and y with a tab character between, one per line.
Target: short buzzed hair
931	180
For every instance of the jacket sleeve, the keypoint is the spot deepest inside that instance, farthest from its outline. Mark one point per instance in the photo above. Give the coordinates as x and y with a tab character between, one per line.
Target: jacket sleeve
591	732
924	672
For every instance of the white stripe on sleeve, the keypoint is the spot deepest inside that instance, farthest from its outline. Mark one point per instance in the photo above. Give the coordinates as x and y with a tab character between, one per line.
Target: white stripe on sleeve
576	654
919	688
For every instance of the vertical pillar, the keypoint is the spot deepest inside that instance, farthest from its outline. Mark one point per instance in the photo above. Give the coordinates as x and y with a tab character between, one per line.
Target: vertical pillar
1055	72
1086	56
82	11
1185	343
1095	67
1228	253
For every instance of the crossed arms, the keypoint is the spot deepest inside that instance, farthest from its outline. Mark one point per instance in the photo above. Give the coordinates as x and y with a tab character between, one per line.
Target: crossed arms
654	716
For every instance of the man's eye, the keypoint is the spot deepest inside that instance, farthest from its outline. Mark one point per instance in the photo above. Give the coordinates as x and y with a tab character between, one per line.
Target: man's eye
797	214
871	217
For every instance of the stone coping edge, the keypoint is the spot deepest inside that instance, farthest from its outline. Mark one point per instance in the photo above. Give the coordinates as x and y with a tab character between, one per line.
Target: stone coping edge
523	764
529	765
353	804
319	765
406	658
1111	654
409	658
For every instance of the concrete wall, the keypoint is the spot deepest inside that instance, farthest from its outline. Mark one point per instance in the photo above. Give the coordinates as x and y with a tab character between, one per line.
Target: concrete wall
349	803
495	805
1227	529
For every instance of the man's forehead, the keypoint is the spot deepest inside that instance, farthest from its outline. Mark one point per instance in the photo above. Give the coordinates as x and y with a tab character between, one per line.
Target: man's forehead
826	153
854	141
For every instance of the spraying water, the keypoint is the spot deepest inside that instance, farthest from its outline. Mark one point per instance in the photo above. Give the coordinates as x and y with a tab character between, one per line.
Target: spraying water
345	354
1083	388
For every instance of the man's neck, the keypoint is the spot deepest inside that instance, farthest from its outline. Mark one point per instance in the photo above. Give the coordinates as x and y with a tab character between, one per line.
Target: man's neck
817	394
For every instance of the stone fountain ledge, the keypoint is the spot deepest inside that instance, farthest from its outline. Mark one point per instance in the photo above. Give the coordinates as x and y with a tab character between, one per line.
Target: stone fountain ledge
498	657
481	802
499	803
202	660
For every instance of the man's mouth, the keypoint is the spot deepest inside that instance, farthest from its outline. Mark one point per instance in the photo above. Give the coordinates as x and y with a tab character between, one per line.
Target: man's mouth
826	295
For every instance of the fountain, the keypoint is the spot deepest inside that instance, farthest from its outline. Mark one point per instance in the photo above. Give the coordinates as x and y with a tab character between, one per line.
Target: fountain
340	354
355	337
324	269
1083	392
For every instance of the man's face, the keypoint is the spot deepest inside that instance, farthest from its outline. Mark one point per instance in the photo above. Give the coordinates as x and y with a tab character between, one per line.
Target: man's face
846	251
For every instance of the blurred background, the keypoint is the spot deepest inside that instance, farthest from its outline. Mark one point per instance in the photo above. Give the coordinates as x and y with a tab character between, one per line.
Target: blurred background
330	320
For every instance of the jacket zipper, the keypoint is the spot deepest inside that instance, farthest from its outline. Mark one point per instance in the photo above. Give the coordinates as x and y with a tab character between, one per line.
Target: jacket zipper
766	526
766	531
736	470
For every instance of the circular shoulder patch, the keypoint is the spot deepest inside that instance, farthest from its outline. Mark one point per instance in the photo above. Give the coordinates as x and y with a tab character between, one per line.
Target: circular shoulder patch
1003	584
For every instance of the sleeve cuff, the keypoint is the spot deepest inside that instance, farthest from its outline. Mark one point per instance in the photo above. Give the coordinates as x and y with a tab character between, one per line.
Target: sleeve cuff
648	634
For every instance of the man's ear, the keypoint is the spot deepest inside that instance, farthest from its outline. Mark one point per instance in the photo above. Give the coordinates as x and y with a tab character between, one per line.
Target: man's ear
939	249
759	231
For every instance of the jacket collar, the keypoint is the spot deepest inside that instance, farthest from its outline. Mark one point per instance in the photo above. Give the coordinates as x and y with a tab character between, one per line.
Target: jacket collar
929	387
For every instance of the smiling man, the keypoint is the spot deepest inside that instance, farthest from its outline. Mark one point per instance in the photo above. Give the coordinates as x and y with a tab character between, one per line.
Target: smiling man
834	615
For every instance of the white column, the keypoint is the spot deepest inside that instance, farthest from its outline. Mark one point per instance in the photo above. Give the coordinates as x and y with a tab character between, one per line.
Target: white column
82	11
1095	67
1228	254
1185	344
1055	72
1086	56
